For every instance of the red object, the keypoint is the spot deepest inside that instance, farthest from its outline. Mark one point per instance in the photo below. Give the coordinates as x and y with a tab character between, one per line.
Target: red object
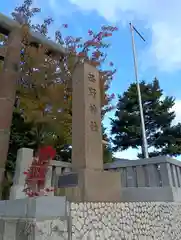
112	95
90	32
46	153
106	34
38	169
65	25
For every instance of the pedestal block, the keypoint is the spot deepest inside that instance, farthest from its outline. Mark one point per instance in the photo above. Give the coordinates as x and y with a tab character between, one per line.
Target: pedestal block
96	186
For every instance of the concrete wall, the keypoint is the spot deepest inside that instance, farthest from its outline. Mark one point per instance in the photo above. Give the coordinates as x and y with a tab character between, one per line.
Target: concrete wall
42	218
153	179
21	229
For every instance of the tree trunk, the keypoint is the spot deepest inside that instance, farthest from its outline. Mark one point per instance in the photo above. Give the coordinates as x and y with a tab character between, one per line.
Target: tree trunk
8	79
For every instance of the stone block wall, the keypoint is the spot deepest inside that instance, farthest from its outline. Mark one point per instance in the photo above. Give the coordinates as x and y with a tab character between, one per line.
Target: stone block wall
53	218
126	221
32	229
41	218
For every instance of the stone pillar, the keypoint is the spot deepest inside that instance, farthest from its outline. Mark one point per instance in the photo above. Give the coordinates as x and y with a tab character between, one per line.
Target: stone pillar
48	180
8	79
94	184
23	162
86	125
166	175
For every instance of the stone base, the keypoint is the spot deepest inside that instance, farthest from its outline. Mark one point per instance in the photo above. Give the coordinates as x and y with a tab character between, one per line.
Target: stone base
34	218
150	194
96	186
44	207
16	192
1	180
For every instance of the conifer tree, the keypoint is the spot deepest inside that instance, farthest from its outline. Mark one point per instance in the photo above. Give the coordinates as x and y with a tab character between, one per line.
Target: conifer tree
158	115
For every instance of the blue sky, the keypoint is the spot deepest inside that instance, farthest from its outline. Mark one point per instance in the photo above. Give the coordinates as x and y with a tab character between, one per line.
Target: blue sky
159	22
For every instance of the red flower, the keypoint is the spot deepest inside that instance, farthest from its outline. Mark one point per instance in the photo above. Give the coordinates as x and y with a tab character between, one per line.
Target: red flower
96	54
81	54
107	34
90	32
112	95
65	25
46	152
30	194
92	43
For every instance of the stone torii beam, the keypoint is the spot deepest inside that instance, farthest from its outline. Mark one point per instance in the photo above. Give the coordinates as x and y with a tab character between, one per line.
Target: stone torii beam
7	25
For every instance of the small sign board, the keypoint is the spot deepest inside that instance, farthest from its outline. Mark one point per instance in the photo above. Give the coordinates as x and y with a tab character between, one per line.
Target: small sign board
68	180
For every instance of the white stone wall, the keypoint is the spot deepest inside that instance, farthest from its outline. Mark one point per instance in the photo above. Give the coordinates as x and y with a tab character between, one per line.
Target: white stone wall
126	221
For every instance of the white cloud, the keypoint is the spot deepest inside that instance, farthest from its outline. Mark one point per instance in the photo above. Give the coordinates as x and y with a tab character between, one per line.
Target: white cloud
161	17
59	9
130	154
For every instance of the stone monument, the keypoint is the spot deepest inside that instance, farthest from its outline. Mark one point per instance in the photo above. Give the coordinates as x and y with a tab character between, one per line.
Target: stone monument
94	184
23	162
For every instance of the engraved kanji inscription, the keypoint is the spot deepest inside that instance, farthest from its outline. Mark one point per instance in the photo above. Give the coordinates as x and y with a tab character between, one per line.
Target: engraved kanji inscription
93	108
93	126
92	92
91	77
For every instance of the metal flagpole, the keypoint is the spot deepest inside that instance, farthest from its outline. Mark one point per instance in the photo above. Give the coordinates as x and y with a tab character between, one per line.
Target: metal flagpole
145	144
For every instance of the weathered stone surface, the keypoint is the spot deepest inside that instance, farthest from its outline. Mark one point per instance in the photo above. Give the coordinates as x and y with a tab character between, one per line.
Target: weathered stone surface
31	229
87	159
137	220
86	139
55	229
100	220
